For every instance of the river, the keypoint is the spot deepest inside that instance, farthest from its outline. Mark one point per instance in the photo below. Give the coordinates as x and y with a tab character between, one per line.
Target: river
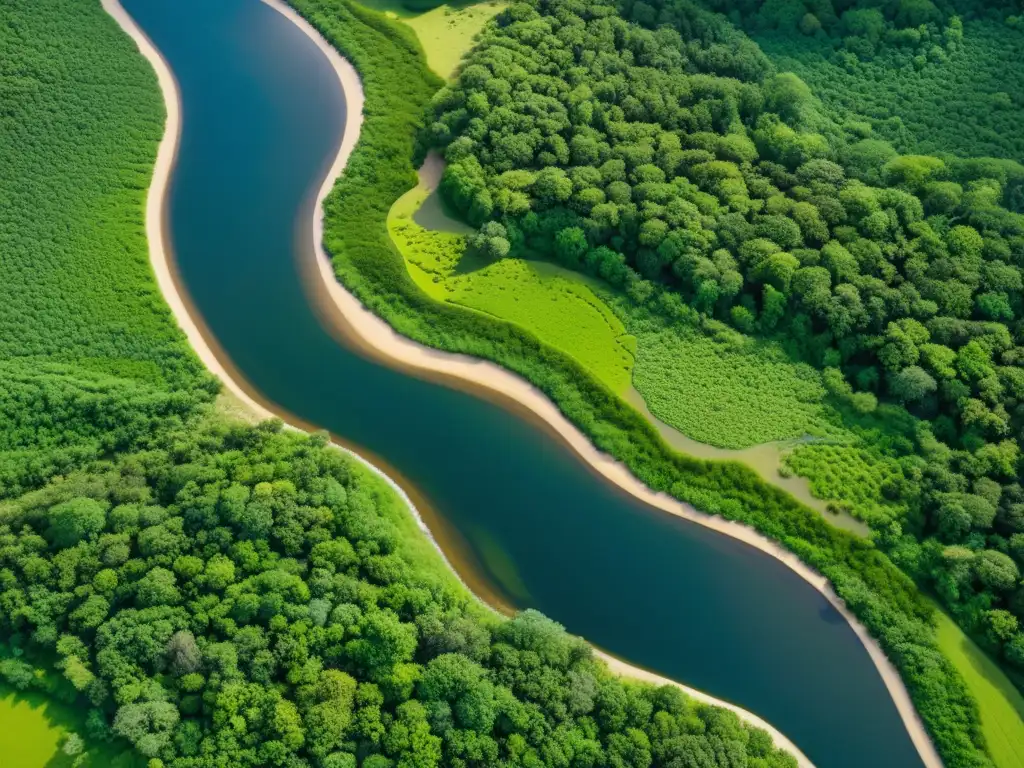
516	511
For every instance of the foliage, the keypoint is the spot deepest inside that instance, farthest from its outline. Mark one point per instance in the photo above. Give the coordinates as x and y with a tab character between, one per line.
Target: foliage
640	163
966	102
860	29
1002	706
88	350
247	597
219	594
728	390
397	89
553	304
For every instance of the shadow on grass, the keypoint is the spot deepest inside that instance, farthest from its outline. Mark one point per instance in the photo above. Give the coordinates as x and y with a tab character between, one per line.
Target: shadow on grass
405	9
40	732
435	215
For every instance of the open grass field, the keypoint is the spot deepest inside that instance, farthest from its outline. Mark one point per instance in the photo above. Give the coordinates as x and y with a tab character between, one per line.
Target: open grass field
555	305
446	32
29	735
1001	705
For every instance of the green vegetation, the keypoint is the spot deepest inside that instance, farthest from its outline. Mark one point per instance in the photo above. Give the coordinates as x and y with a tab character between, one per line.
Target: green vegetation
727	390
967	102
36	730
398	89
28	739
90	360
1001	705
215	593
553	304
247	595
446	30
709	188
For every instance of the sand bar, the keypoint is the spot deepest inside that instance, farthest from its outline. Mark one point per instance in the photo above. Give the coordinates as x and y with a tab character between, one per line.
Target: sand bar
377	336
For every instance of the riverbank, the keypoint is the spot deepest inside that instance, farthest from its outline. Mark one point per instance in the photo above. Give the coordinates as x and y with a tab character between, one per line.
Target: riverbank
375	336
205	347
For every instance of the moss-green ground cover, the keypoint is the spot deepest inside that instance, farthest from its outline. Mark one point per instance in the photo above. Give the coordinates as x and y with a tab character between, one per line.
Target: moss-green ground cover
34	727
550	302
29	738
1001	705
445	32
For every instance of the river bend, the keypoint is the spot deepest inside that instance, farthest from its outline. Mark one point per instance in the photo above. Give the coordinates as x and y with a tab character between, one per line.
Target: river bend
263	115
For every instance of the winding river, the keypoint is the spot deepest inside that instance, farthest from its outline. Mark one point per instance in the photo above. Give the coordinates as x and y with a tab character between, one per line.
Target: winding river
525	521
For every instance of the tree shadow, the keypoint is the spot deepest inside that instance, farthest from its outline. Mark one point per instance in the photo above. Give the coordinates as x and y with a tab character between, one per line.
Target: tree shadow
471	261
67	718
434	215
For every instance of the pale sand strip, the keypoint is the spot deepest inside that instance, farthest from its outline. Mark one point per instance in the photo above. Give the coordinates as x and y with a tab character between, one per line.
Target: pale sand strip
389	344
375	333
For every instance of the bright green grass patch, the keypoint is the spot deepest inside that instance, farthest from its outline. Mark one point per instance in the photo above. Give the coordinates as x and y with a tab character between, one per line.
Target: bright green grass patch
446	32
33	728
1000	703
29	738
731	392
554	304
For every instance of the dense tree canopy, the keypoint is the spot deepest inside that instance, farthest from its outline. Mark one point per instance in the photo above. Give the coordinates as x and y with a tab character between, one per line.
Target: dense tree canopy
242	597
646	153
224	595
963	99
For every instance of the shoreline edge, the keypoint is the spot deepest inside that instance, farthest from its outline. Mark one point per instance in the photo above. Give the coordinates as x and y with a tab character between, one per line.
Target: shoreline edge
375	335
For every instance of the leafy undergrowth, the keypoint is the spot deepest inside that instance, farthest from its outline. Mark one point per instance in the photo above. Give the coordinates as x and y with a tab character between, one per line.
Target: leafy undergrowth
726	390
968	103
854	475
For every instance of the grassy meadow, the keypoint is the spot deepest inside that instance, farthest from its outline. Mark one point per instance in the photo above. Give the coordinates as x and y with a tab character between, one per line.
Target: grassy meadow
1001	705
556	305
445	32
34	729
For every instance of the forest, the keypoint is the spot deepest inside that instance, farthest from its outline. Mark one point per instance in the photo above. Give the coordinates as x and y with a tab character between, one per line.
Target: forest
634	142
90	360
393	141
245	597
214	593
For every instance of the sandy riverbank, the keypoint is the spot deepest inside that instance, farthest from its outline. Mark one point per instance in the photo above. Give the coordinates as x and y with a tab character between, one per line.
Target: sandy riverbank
374	334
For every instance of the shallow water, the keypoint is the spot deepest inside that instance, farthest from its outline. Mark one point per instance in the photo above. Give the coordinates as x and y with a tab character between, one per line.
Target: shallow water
262	115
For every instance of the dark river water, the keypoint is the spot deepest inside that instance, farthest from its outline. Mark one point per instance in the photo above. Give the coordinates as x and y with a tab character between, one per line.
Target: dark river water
263	115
